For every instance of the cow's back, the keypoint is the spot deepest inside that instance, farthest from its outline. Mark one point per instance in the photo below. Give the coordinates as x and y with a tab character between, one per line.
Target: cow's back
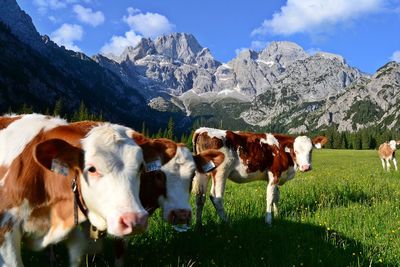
5	121
384	151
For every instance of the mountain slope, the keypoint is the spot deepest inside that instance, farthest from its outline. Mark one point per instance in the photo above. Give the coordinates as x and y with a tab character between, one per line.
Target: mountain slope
40	73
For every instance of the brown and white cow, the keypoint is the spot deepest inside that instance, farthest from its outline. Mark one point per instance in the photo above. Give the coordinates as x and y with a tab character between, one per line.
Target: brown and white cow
40	157
249	157
386	153
165	183
172	164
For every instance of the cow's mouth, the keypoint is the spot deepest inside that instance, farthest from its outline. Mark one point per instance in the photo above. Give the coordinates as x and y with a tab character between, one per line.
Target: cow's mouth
180	220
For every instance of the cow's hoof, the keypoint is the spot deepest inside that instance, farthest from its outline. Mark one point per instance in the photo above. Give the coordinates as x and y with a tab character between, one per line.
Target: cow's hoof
268	219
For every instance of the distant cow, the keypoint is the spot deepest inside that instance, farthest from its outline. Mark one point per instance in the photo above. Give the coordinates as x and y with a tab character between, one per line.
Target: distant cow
387	152
249	157
44	160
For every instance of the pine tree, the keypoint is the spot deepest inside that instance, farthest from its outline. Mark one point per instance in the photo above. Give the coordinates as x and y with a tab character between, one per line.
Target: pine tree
58	108
170	129
189	143
82	114
26	109
143	131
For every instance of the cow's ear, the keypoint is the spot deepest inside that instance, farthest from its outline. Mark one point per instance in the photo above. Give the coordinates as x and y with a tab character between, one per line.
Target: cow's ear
288	147
139	138
58	155
208	160
319	141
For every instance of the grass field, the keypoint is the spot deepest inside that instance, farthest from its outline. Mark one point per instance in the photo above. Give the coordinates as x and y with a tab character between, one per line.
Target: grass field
345	212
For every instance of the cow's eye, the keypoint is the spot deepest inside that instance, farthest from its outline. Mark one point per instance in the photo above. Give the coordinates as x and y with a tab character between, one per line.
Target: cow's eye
92	169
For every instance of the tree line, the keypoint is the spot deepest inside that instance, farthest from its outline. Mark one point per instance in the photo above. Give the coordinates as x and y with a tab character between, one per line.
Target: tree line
367	138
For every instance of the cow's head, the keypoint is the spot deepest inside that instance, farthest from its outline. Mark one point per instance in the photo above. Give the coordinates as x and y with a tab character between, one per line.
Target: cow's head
179	173
168	185
392	144
301	150
107	162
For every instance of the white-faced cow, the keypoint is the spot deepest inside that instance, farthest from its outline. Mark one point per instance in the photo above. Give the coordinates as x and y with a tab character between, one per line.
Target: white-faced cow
387	152
249	157
165	181
40	157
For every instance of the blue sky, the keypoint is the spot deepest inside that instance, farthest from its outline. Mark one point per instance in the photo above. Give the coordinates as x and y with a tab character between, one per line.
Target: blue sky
365	32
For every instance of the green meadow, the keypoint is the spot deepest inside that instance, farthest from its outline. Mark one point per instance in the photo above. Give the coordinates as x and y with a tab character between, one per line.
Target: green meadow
345	212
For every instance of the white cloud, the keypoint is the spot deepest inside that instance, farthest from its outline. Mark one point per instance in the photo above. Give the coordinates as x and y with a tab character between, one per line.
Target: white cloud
258	45
117	44
67	34
141	25
396	56
44	5
53	19
148	24
240	50
308	16
89	16
255	46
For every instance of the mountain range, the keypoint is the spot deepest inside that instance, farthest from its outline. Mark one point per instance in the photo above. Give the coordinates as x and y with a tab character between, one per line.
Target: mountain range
281	88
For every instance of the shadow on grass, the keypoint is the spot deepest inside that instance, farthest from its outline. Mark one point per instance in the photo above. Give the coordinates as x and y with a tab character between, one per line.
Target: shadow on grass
247	242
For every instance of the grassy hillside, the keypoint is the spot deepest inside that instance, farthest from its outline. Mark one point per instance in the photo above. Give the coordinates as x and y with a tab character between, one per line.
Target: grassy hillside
345	212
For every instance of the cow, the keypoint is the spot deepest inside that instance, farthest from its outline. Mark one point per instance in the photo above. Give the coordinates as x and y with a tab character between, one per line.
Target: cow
165	182
54	175
249	157
386	153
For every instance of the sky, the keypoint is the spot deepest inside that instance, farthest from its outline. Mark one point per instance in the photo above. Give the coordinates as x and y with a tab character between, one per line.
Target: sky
365	32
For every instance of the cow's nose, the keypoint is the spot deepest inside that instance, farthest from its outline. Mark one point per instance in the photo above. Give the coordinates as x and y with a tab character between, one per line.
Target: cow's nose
133	222
305	167
180	216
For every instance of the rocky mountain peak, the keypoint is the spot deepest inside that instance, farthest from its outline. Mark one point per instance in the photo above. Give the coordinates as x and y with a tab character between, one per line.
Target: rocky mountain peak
143	48
283	52
247	54
178	46
331	56
21	24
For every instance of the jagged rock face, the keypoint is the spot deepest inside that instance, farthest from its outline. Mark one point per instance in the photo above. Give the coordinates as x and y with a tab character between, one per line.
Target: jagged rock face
371	101
283	53
37	72
280	85
172	64
20	24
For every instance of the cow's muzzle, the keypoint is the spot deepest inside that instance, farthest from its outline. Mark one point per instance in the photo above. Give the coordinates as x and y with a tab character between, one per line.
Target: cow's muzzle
305	167
133	222
180	219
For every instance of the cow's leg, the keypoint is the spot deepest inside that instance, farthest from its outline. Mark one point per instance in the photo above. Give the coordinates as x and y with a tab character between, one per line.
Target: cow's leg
217	193
272	198
275	201
383	164
387	164
10	247
395	163
199	188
